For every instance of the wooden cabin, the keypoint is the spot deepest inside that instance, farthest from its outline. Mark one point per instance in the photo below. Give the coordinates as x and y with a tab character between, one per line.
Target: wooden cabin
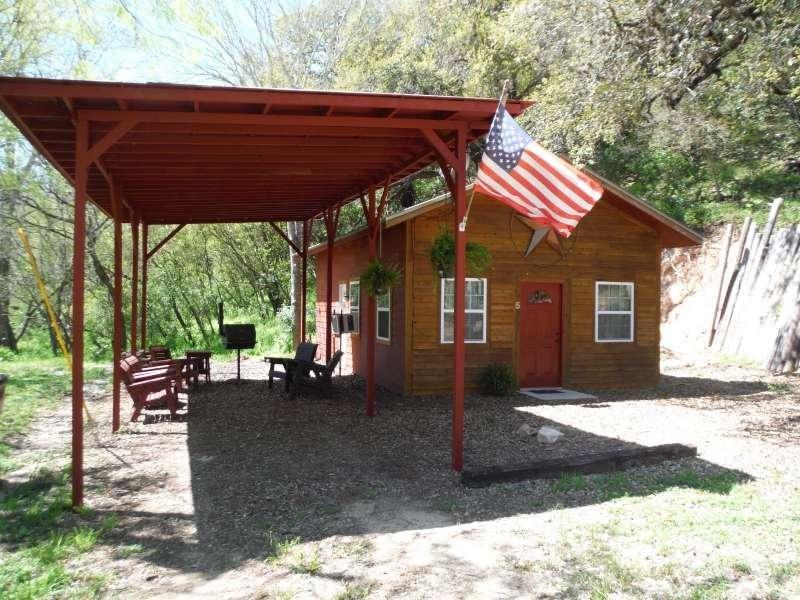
580	312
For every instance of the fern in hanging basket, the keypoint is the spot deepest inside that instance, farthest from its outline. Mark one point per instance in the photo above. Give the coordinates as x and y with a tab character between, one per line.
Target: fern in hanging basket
443	255
379	277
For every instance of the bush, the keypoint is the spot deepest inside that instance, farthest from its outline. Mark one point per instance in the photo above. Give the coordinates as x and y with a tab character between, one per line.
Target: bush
499	380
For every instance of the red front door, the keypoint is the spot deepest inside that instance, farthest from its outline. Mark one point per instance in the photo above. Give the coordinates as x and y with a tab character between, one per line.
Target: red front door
540	335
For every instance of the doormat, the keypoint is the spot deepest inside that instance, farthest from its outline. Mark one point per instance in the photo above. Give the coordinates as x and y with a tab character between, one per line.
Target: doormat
556	395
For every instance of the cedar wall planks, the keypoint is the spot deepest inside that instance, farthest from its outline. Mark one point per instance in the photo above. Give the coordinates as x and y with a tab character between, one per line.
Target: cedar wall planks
608	245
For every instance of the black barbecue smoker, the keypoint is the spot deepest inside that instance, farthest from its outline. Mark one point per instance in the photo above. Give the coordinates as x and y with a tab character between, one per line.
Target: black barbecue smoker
236	337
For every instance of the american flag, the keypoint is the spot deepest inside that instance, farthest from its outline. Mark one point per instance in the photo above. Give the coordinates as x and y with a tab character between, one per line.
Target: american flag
536	183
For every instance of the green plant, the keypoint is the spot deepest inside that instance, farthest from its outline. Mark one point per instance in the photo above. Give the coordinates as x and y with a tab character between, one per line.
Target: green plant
499	379
443	255
379	277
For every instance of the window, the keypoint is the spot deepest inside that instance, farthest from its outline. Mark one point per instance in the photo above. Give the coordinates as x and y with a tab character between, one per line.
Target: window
474	309
384	308
355	305
342	298
613	311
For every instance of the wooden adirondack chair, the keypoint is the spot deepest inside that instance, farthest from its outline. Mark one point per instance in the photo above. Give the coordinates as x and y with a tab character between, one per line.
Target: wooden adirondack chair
317	375
154	389
135	368
305	353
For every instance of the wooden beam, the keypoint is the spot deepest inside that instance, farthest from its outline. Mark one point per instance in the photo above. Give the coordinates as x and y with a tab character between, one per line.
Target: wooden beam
282	233
164	241
164	116
116	205
78	267
441	148
134	280
109	139
145	262
459	290
598	462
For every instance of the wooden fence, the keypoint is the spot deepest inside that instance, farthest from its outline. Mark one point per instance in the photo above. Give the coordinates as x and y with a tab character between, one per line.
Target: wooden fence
757	310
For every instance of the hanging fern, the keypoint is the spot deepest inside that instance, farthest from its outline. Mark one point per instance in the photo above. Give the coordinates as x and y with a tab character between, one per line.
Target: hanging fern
379	277
443	255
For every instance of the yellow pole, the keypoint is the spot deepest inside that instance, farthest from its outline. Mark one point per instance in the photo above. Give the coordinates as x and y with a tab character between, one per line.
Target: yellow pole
49	307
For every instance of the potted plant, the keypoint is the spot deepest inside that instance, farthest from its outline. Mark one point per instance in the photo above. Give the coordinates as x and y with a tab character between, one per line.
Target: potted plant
443	255
379	277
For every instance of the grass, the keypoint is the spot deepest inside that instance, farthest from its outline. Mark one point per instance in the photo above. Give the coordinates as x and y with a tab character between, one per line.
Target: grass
33	386
41	537
356	591
689	534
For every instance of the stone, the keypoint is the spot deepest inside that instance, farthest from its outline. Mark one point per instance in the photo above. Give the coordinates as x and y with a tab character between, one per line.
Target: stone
548	435
524	429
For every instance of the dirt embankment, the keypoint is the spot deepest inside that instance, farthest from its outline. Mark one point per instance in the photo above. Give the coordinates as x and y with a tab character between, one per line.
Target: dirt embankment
689	278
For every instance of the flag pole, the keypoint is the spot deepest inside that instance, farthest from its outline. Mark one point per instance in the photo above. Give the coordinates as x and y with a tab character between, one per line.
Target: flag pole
502	102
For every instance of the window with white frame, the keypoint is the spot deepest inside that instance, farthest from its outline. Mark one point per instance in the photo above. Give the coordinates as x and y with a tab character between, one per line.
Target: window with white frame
474	310
355	305
383	306
342	298
613	321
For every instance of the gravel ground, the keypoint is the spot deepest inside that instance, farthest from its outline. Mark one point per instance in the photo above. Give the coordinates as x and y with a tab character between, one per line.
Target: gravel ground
253	494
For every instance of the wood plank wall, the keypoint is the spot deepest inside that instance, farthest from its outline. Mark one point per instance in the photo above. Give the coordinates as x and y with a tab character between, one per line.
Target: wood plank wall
608	245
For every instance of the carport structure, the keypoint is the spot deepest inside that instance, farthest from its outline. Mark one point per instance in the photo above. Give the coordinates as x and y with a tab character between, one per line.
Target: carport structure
185	154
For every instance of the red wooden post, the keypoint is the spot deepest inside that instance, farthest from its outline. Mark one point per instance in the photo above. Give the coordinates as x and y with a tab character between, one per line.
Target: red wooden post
459	290
304	283
145	261
78	263
116	205
134	278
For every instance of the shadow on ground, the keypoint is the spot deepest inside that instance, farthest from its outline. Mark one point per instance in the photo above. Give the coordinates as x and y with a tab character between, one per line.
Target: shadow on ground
265	467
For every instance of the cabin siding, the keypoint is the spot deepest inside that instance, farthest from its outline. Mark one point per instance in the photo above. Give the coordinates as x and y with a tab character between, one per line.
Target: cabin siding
350	258
608	245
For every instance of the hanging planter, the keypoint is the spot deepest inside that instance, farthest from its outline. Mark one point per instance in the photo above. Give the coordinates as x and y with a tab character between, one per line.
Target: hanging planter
443	255
379	278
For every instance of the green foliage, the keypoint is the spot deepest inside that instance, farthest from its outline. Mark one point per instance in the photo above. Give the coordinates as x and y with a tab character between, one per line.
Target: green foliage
443	255
42	538
33	386
379	277
498	379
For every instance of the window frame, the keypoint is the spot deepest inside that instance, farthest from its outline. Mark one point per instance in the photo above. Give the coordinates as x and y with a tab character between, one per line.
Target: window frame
387	309
442	310
598	312
356	321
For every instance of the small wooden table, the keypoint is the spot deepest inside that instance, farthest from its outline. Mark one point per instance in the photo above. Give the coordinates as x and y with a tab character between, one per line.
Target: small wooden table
201	363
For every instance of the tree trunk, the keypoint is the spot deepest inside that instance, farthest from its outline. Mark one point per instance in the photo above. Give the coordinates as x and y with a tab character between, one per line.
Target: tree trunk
182	322
293	231
7	337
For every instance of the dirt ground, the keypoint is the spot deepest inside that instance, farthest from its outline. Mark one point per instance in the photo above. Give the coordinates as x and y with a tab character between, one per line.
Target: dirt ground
255	495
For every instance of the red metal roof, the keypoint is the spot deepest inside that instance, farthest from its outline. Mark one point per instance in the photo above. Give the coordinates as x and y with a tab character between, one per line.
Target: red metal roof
200	154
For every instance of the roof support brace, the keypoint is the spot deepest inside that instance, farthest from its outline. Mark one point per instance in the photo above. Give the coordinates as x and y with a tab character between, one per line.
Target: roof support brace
282	233
163	242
